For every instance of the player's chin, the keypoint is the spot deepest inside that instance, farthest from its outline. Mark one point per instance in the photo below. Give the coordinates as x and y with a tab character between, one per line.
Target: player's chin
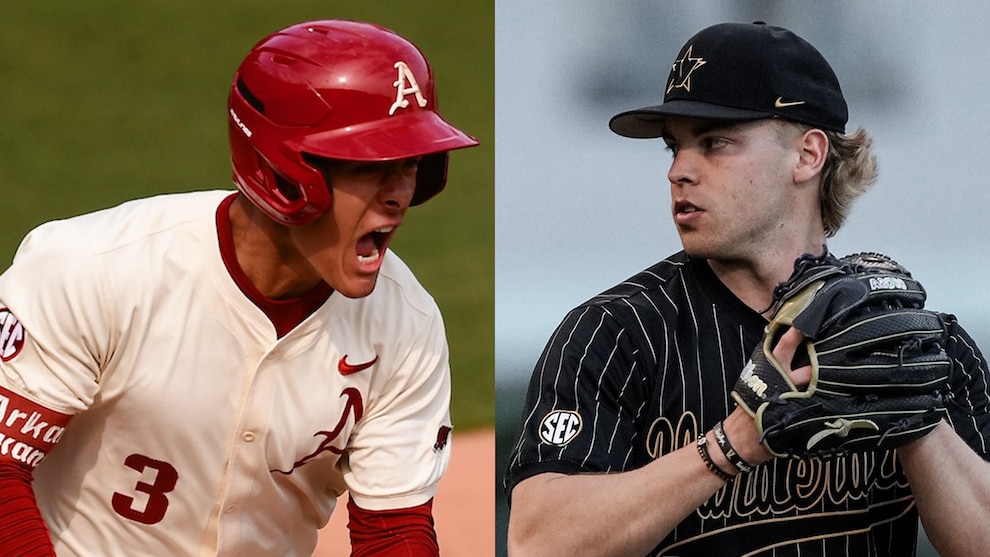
358	276
706	243
695	244
357	285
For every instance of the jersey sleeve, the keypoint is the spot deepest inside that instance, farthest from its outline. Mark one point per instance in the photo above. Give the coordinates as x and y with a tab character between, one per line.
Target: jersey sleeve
48	370
399	450
583	401
969	407
55	325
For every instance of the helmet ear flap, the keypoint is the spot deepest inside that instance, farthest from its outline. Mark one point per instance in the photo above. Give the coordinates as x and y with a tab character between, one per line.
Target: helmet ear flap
320	165
431	177
283	187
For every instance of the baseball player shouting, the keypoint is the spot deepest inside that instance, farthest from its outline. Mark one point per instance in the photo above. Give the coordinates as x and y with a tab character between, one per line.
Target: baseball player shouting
205	373
859	410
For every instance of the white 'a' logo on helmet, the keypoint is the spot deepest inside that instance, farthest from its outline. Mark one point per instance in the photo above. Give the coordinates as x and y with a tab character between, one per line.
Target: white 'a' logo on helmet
404	85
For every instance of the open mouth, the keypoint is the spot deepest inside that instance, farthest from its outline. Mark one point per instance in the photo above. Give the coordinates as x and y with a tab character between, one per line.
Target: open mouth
372	245
684	207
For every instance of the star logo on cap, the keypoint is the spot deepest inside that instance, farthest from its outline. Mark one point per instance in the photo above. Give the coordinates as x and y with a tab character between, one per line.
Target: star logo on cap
681	70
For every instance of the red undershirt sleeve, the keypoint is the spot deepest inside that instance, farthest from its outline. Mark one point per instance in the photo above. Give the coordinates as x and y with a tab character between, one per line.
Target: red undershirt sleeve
22	530
393	533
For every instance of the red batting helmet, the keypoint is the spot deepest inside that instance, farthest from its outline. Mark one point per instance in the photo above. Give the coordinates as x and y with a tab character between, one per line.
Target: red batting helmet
332	89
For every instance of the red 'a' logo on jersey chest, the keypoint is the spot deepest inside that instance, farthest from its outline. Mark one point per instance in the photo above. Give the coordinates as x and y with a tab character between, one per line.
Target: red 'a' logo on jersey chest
353	406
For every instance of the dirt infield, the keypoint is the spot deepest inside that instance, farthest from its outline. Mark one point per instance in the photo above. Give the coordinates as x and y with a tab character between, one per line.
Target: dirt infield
464	507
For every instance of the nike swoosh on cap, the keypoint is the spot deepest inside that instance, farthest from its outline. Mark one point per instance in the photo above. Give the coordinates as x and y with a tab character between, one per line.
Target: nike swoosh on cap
781	103
346	368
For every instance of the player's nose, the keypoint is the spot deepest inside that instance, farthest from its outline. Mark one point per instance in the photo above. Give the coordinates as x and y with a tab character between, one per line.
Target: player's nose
399	185
683	168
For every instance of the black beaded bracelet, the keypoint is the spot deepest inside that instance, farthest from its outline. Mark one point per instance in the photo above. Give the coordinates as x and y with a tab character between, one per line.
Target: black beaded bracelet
729	452
703	451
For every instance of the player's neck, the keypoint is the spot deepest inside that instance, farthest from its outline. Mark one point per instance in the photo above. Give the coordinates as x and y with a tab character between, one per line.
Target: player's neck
276	272
753	279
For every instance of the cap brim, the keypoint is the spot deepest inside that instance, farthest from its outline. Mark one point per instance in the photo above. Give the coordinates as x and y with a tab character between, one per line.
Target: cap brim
414	135
647	122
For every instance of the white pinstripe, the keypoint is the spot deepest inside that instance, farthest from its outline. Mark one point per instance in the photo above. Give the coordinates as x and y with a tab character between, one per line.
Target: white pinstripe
628	345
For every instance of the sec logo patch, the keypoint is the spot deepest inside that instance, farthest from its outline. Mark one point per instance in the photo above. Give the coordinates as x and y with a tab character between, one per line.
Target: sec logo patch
560	427
11	335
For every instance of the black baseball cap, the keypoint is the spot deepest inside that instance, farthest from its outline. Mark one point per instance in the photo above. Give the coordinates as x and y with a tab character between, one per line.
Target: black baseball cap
744	71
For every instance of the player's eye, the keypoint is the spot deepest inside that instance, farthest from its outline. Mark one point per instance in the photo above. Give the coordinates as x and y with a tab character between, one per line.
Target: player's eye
712	143
367	169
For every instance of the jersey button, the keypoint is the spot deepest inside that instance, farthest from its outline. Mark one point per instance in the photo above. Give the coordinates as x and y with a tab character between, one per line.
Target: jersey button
248	436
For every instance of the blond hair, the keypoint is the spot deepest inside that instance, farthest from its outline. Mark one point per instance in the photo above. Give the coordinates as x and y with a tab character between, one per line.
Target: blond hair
850	169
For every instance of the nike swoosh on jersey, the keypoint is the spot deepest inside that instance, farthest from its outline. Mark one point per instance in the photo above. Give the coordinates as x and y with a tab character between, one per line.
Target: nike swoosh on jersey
781	103
346	368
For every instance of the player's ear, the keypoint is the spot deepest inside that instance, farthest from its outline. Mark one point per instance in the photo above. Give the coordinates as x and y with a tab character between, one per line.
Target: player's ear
813	150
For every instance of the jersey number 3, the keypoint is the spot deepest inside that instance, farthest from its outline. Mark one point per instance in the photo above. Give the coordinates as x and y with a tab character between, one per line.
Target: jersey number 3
165	478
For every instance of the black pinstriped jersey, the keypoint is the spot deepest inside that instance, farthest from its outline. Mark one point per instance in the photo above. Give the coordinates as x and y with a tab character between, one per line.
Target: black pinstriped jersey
645	367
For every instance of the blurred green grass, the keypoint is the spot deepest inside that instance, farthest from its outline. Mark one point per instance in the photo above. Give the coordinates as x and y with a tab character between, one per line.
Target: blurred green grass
104	100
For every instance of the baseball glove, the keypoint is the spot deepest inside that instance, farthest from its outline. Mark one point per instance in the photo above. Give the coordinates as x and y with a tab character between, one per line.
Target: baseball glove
878	369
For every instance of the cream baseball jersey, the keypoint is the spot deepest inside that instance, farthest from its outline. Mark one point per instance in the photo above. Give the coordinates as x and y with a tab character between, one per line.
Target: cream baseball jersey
196	430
